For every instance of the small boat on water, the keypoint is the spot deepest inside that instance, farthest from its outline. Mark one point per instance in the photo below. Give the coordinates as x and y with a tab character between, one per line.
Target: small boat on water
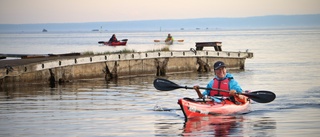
170	42
199	107
123	42
214	105
120	43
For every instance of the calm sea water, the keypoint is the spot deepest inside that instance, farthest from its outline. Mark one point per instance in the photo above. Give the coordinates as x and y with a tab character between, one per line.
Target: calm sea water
286	62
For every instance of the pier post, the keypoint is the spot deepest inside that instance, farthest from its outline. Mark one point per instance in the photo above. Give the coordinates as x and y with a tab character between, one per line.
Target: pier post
52	79
203	66
161	66
109	75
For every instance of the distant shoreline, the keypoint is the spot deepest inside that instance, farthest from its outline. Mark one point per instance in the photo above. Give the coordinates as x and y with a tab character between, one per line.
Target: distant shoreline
201	24
169	30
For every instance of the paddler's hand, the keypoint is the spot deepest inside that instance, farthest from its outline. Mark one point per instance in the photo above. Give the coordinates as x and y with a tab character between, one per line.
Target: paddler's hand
233	93
196	87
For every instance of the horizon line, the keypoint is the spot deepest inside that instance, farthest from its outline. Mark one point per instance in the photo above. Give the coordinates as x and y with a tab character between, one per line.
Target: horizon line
157	19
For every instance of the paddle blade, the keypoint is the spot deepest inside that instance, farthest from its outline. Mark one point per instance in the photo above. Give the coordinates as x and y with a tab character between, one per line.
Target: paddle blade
101	42
124	40
261	96
180	40
165	85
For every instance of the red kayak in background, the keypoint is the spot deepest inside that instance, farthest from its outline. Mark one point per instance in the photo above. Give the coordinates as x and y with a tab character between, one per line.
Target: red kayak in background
118	43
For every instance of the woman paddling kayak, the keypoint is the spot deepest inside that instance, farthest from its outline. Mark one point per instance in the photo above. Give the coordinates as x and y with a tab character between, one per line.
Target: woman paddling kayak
222	96
223	81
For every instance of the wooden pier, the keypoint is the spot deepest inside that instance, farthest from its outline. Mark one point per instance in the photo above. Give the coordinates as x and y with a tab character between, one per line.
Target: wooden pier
111	66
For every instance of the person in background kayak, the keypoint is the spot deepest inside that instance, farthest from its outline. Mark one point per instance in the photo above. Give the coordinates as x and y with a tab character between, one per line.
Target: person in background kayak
223	81
113	39
169	38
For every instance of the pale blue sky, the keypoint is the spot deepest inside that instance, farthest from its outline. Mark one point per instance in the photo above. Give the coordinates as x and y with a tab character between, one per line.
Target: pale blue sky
67	11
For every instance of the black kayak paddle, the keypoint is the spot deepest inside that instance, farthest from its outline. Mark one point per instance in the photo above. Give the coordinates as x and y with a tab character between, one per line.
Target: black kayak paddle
260	96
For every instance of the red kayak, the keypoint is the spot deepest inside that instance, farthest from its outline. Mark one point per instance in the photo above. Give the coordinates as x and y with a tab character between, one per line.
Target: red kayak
118	43
198	107
123	43
216	105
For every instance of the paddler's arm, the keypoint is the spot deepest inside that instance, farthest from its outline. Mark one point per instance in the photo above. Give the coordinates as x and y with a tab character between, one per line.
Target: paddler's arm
235	88
196	88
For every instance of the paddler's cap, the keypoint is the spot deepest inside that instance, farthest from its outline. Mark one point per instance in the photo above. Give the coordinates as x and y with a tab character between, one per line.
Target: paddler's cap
218	65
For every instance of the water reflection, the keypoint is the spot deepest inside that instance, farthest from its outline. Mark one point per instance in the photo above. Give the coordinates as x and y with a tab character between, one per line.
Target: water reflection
213	125
264	126
125	102
220	126
168	127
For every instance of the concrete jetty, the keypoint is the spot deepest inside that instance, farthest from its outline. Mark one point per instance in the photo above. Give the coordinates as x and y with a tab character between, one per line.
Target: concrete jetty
110	66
